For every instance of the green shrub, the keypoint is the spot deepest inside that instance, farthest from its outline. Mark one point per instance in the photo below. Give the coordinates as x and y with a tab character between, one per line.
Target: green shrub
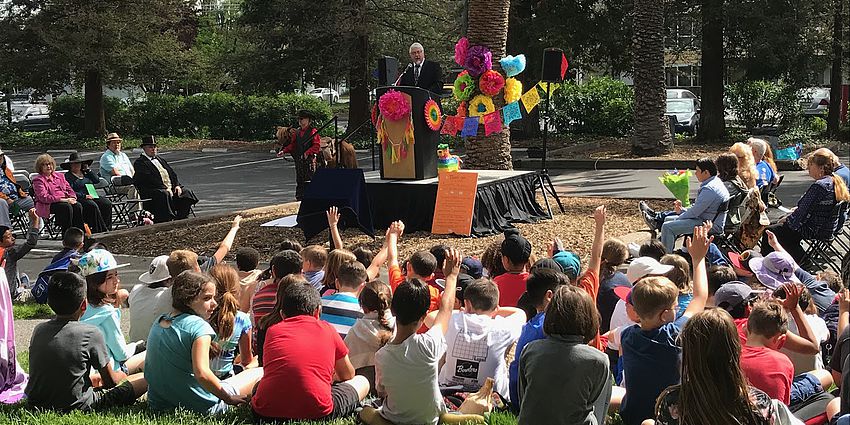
817	125
759	103
601	106
68	114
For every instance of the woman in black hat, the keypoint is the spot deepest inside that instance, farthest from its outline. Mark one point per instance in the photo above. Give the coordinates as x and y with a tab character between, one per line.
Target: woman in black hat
305	148
97	212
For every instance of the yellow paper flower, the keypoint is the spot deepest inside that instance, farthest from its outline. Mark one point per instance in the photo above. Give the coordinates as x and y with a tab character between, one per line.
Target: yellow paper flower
481	105
513	90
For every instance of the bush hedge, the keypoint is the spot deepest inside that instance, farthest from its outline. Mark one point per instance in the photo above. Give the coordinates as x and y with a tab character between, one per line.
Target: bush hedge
600	106
209	116
759	103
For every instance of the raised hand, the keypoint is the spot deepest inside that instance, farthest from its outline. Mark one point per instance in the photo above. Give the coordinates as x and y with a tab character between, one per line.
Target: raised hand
792	295
333	216
453	260
698	244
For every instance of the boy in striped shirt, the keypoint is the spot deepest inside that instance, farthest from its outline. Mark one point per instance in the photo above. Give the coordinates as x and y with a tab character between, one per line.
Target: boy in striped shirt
342	308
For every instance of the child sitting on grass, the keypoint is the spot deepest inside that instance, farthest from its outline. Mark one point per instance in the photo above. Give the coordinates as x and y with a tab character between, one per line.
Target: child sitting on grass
650	352
100	270
232	327
63	351
406	368
421	265
315	257
373	330
302	357
179	350
342	309
336	259
562	370
516	252
681	277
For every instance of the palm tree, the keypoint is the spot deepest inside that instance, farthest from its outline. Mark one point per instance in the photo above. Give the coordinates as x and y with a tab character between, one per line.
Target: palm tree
488	26
651	135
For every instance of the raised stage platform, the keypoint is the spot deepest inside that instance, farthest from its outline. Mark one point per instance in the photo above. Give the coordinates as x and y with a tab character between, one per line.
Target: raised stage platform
503	197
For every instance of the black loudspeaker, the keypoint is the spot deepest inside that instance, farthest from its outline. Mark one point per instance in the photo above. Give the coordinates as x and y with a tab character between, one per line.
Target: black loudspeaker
387	71
554	66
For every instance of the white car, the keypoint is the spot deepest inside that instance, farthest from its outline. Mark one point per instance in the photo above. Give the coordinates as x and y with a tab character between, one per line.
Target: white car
326	94
814	101
683	94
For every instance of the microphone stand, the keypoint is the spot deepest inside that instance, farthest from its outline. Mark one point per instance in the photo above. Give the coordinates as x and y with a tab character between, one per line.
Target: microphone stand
409	65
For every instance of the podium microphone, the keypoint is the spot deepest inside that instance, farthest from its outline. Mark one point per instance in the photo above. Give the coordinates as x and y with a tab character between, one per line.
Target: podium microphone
409	65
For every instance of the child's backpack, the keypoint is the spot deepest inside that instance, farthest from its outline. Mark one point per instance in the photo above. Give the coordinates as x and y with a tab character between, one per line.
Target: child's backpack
39	289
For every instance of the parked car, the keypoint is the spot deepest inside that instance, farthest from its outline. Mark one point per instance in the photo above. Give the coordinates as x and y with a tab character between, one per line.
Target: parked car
686	113
31	117
326	94
814	101
682	94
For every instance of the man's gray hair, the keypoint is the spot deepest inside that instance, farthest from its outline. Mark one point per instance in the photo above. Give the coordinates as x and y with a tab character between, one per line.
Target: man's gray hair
415	46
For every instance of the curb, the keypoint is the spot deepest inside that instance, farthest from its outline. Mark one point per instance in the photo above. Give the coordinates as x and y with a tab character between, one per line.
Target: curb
189	222
623	164
214	150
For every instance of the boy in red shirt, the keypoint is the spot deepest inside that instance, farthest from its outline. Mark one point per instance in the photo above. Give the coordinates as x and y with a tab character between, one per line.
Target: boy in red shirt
516	251
303	356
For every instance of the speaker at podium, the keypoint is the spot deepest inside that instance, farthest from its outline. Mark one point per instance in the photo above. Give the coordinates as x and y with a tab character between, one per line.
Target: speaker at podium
401	160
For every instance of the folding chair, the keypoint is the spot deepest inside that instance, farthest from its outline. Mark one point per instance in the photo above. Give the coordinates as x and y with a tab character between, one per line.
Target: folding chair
770	189
821	251
20	219
124	209
50	226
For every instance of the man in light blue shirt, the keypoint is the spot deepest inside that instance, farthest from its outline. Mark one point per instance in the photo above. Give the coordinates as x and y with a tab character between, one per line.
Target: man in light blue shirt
113	162
712	193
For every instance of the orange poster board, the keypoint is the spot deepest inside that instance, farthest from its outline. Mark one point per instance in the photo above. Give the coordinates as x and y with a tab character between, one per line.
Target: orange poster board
455	203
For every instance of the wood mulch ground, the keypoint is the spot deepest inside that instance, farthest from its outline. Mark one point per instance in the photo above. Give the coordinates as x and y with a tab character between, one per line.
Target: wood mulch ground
574	227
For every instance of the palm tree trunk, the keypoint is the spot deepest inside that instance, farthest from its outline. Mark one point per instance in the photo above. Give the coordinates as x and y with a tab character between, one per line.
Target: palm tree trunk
835	79
651	135
712	126
488	26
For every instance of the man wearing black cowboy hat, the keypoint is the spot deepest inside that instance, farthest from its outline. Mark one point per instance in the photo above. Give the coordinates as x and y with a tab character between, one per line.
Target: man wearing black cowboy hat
157	181
305	147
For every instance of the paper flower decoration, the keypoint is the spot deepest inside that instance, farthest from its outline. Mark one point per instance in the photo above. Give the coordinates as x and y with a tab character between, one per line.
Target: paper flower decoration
481	105
491	83
461	47
513	65
461	109
464	86
478	60
513	90
393	105
433	116
375	115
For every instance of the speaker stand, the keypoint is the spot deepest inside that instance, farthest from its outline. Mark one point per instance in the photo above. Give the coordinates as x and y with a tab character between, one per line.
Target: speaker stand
544	182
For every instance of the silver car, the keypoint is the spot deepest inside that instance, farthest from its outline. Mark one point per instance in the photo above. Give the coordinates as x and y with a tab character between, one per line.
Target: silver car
814	101
686	113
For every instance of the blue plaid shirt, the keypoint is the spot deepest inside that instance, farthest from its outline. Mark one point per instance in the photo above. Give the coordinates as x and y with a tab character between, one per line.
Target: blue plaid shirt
813	217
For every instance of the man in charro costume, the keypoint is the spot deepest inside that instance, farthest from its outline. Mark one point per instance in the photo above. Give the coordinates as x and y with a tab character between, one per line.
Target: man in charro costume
305	147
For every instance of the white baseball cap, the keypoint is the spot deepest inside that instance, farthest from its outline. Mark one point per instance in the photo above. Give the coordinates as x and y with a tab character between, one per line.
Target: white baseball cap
645	266
158	271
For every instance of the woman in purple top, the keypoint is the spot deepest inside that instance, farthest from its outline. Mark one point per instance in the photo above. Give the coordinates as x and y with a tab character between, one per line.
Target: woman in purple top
53	195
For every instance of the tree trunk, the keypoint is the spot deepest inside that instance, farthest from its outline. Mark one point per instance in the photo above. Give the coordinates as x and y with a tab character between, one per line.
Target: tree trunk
358	106
835	78
712	126
488	26
651	135
95	119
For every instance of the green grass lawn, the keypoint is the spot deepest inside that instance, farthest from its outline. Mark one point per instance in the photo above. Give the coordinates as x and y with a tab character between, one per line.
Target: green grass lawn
139	414
31	311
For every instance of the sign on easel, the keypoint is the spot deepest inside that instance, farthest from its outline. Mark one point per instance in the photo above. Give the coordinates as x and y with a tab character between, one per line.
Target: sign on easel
455	203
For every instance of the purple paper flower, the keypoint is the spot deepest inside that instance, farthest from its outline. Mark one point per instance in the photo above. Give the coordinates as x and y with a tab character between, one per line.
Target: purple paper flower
478	60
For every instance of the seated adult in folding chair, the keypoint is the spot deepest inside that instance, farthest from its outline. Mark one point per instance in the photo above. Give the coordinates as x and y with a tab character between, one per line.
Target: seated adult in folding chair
115	163
711	195
813	216
97	210
156	180
53	195
17	199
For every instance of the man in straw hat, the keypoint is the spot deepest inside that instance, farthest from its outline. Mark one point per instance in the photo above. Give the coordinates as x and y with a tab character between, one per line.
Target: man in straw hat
116	167
157	181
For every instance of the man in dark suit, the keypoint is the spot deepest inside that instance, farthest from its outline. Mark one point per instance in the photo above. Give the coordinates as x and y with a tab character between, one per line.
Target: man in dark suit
422	73
157	181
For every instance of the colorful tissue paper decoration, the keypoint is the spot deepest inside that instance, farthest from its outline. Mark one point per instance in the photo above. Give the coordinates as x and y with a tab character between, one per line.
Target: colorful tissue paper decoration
462	108
470	127
513	90
394	106
530	99
491	82
375	115
511	112
445	160
492	123
513	65
481	105
461	48
433	115
452	125
464	86
478	60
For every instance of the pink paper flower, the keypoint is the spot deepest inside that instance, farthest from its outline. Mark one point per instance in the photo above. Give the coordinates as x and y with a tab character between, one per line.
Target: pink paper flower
393	105
461	47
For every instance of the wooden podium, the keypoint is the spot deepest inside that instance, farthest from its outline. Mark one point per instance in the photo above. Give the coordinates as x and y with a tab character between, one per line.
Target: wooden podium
421	160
